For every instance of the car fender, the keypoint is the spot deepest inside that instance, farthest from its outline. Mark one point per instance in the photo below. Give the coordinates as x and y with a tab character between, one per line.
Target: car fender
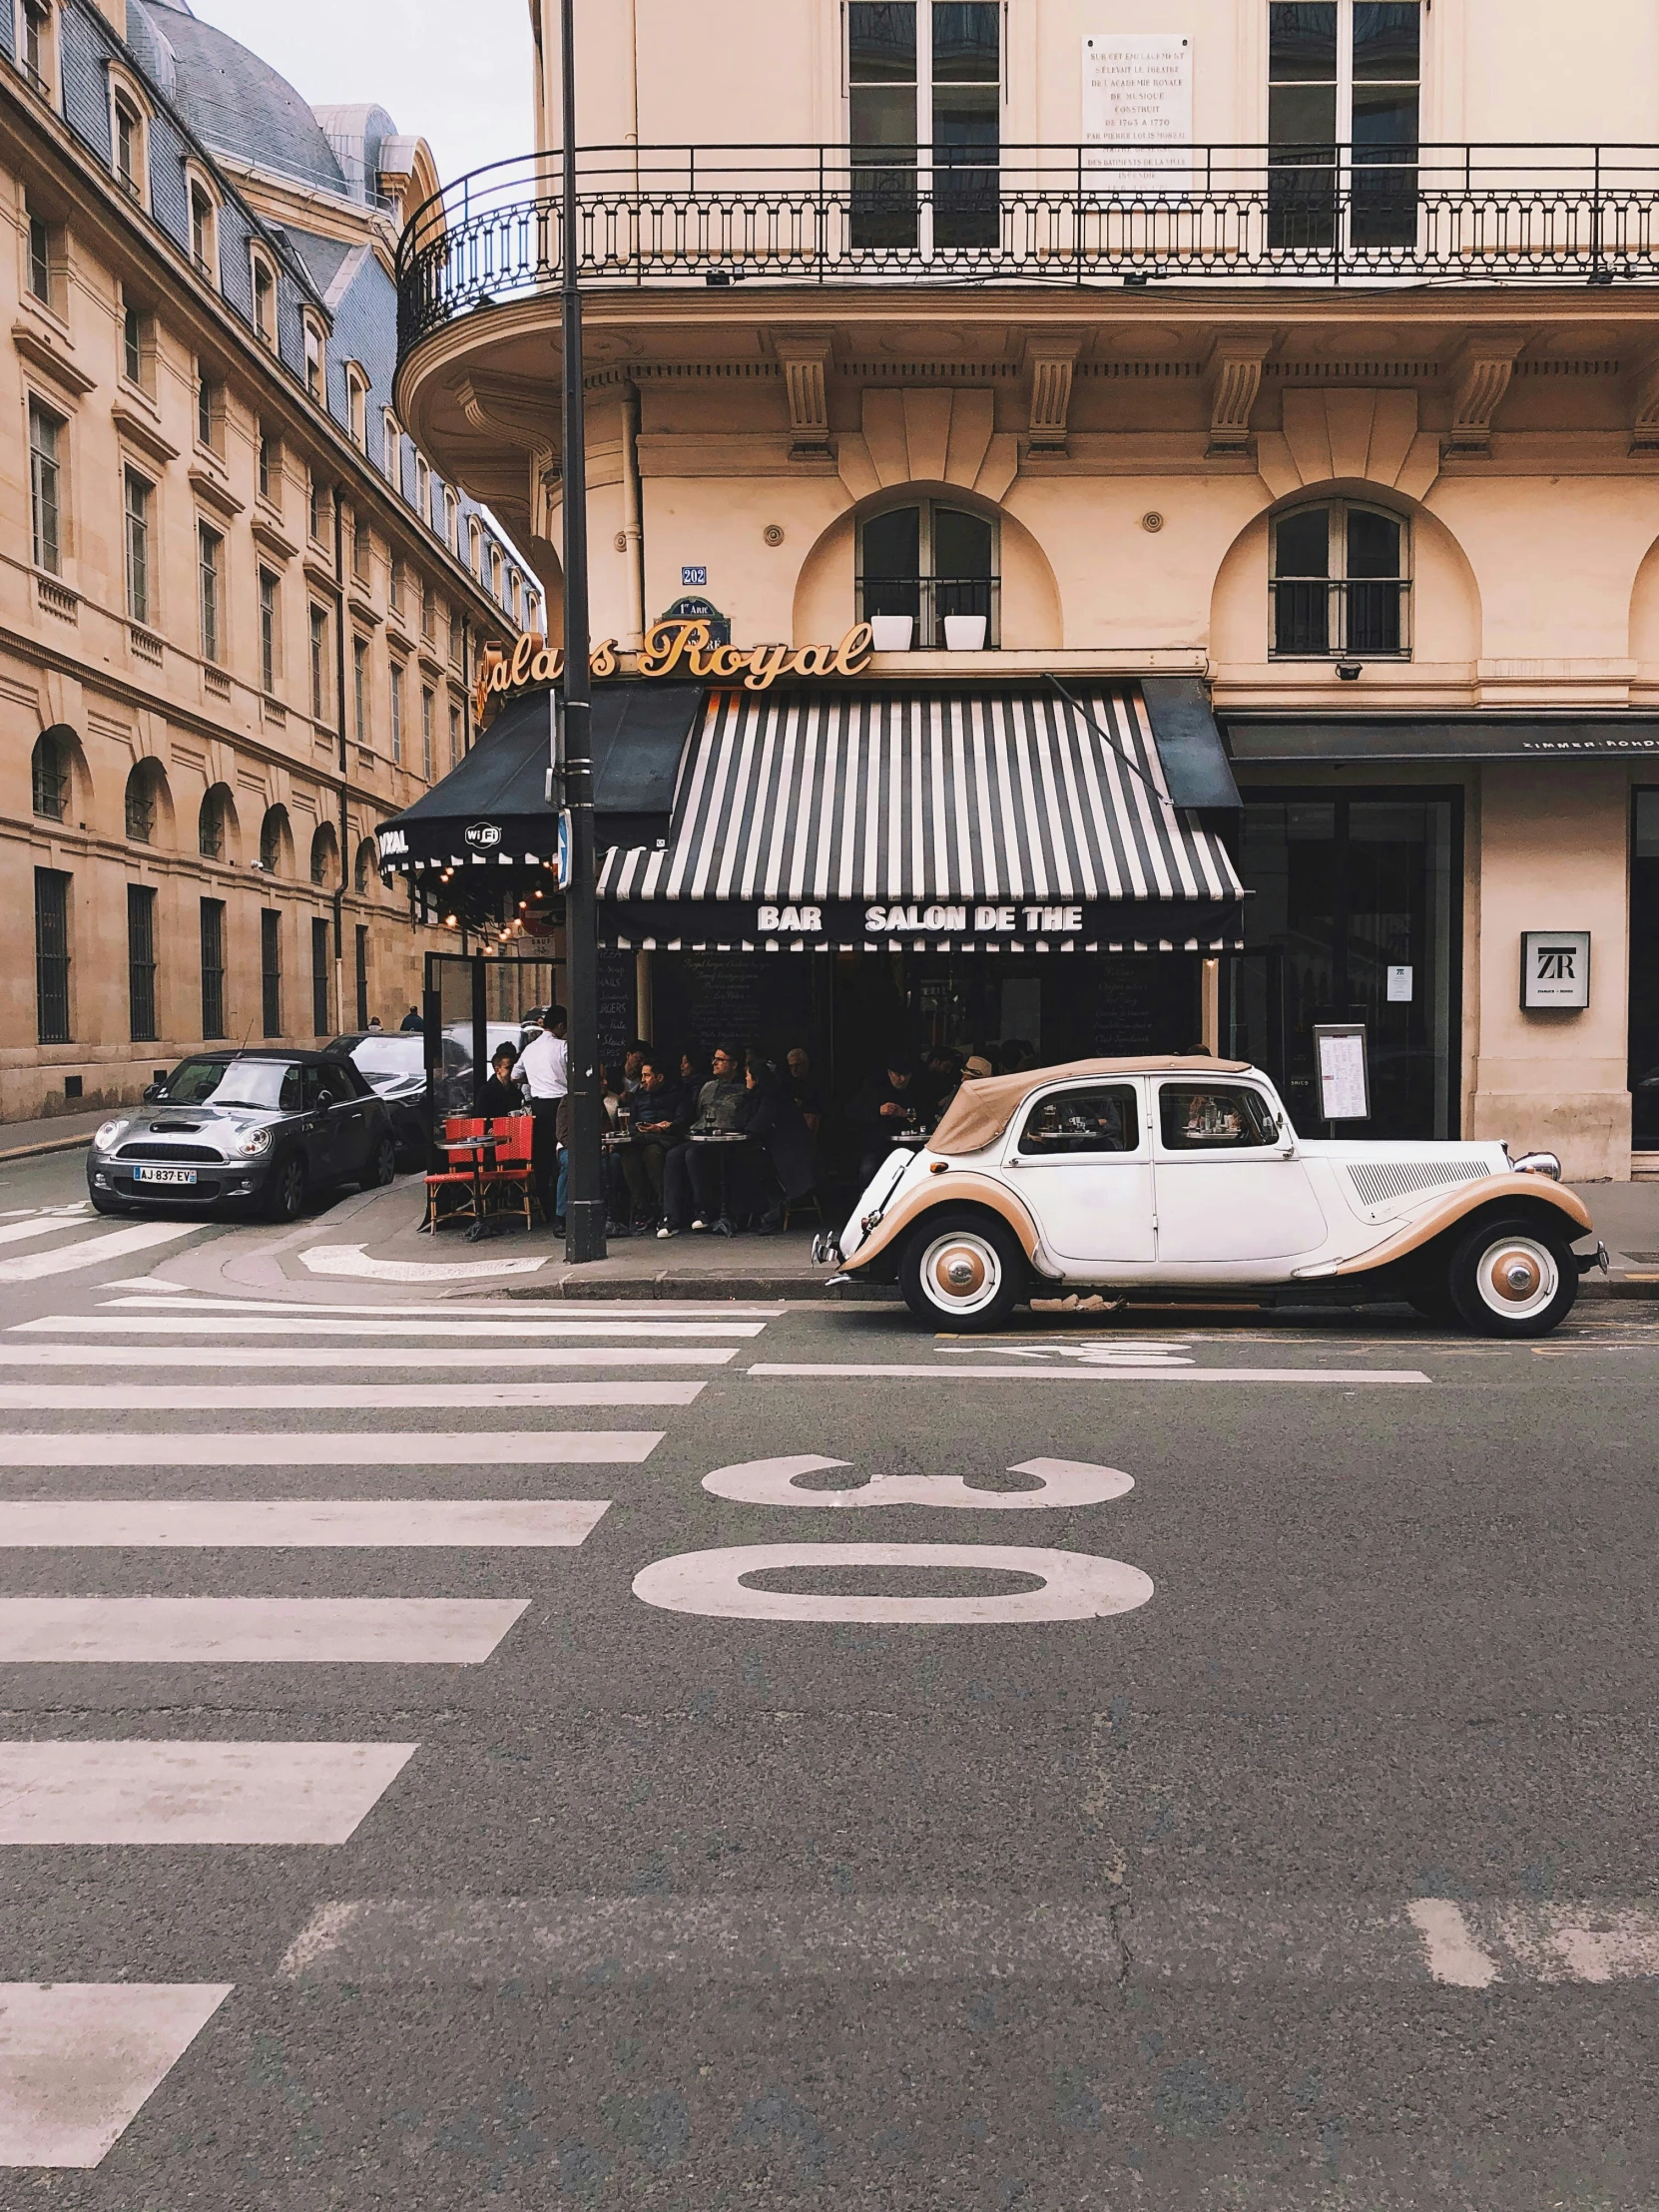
949	1187
1447	1212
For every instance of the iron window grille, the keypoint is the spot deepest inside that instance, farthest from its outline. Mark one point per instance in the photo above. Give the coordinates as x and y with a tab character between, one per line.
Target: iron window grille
141	962
140	808
213	968
52	955
49	777
1340	586
319	976
271	970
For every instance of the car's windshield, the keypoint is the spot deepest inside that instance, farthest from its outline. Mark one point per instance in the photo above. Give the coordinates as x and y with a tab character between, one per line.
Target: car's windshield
272	1084
390	1055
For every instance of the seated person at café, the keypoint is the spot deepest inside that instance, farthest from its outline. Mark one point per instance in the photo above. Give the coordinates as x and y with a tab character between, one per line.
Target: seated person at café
691	1173
771	1115
804	1086
501	1094
889	1106
661	1113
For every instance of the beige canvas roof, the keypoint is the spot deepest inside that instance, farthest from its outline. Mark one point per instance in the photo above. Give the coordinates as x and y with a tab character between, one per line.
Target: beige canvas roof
982	1110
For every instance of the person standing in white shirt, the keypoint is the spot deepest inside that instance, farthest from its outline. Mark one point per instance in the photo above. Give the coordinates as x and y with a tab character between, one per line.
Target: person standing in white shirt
544	1068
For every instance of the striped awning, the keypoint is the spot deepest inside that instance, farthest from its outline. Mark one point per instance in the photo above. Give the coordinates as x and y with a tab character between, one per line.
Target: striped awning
932	801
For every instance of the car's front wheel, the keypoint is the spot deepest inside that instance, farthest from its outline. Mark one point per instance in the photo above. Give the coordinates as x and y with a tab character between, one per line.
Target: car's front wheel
1515	1278
962	1271
103	1205
286	1198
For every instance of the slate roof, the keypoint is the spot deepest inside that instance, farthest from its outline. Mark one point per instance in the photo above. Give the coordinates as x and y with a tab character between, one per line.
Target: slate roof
239	103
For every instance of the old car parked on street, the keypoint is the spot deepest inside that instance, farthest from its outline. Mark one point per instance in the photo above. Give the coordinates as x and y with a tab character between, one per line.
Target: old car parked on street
1185	1175
256	1130
394	1064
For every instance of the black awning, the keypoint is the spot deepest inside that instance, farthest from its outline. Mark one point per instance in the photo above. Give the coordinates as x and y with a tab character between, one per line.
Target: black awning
1194	759
494	806
1487	737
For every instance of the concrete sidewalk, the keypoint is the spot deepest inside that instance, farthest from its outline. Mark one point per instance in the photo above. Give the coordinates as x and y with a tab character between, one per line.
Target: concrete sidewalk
379	1238
24	1140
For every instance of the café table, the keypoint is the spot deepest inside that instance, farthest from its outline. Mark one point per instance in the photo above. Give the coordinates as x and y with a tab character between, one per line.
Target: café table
477	1147
723	1140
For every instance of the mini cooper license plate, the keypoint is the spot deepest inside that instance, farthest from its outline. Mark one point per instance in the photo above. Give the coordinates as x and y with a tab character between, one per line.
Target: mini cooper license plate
164	1175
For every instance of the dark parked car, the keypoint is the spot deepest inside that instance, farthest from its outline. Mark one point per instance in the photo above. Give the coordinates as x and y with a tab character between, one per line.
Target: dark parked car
1645	1115
257	1130
394	1063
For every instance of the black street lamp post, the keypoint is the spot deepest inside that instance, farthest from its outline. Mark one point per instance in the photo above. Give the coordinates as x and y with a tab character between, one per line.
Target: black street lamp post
585	1213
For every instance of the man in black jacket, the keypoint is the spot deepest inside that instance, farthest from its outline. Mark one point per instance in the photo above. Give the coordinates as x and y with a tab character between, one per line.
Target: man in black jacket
770	1114
887	1107
690	1174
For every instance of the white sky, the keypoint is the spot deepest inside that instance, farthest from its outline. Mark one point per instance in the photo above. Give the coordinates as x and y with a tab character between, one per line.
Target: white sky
457	76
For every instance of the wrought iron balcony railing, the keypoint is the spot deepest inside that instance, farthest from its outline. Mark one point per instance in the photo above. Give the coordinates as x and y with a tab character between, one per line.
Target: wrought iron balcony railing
1320	619
1035	215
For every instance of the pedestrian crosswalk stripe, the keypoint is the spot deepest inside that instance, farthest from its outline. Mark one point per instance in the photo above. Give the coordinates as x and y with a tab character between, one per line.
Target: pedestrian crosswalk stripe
78	2059
43	1225
171	1323
450	1451
293	1631
200	1523
130	1792
842	1369
688	1314
88	1252
137	1397
404	1359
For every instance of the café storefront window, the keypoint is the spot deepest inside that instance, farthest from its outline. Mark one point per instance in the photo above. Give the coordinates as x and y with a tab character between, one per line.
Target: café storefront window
1354	916
1644	974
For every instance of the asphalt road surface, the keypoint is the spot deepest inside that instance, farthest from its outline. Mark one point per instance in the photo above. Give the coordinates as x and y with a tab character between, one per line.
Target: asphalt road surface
407	1798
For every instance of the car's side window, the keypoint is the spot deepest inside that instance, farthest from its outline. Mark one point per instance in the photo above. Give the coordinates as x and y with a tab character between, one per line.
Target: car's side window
1214	1117
1082	1122
300	1089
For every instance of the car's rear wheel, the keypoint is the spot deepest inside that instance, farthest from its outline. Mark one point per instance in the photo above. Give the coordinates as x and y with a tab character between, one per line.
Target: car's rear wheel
384	1166
288	1189
1515	1278
962	1271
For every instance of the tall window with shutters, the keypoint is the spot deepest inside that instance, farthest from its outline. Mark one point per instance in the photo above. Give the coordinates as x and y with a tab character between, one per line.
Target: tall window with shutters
141	962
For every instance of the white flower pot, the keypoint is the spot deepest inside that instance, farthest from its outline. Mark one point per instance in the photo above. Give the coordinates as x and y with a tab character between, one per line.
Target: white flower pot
964	633
892	633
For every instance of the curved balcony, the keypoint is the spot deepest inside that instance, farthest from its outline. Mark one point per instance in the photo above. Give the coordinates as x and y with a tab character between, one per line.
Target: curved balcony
1045	215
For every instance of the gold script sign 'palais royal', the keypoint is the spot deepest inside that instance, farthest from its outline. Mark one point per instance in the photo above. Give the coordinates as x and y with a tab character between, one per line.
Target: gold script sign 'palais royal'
671	645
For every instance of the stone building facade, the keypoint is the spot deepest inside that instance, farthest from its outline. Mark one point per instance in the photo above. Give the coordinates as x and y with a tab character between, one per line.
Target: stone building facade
1305	354
238	606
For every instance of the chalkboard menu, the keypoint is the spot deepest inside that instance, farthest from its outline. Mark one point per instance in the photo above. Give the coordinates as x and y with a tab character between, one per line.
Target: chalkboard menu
616	1007
738	999
1144	1002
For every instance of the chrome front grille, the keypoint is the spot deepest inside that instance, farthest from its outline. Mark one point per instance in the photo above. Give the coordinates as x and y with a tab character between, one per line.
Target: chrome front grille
1377	1181
147	1151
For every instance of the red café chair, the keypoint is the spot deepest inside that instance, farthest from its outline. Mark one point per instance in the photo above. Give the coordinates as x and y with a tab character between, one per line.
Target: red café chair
458	1178
510	1178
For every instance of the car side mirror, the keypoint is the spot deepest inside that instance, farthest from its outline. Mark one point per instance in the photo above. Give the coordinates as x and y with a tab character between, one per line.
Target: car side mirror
152	1091
326	1098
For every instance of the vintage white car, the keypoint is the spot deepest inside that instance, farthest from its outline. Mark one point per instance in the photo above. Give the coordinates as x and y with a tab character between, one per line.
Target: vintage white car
1186	1175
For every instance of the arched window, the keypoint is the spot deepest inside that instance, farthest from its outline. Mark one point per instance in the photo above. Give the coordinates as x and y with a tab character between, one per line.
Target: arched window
51	776
1341	583
145	787
366	874
213	824
275	839
324	853
936	565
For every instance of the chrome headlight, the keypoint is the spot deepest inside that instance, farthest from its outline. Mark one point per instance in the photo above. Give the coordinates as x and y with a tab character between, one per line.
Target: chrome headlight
1538	1163
251	1146
107	1134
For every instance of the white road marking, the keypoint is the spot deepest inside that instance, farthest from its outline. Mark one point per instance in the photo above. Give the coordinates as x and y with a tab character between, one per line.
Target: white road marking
265	1398
293	1631
296	1523
174	1323
92	1251
78	2059
353	1260
43	1225
405	1360
1075	1585
1454	1955
452	1452
1065	1483
842	1369
1171	1941
141	1283
1098	1355
191	1793
573	1312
